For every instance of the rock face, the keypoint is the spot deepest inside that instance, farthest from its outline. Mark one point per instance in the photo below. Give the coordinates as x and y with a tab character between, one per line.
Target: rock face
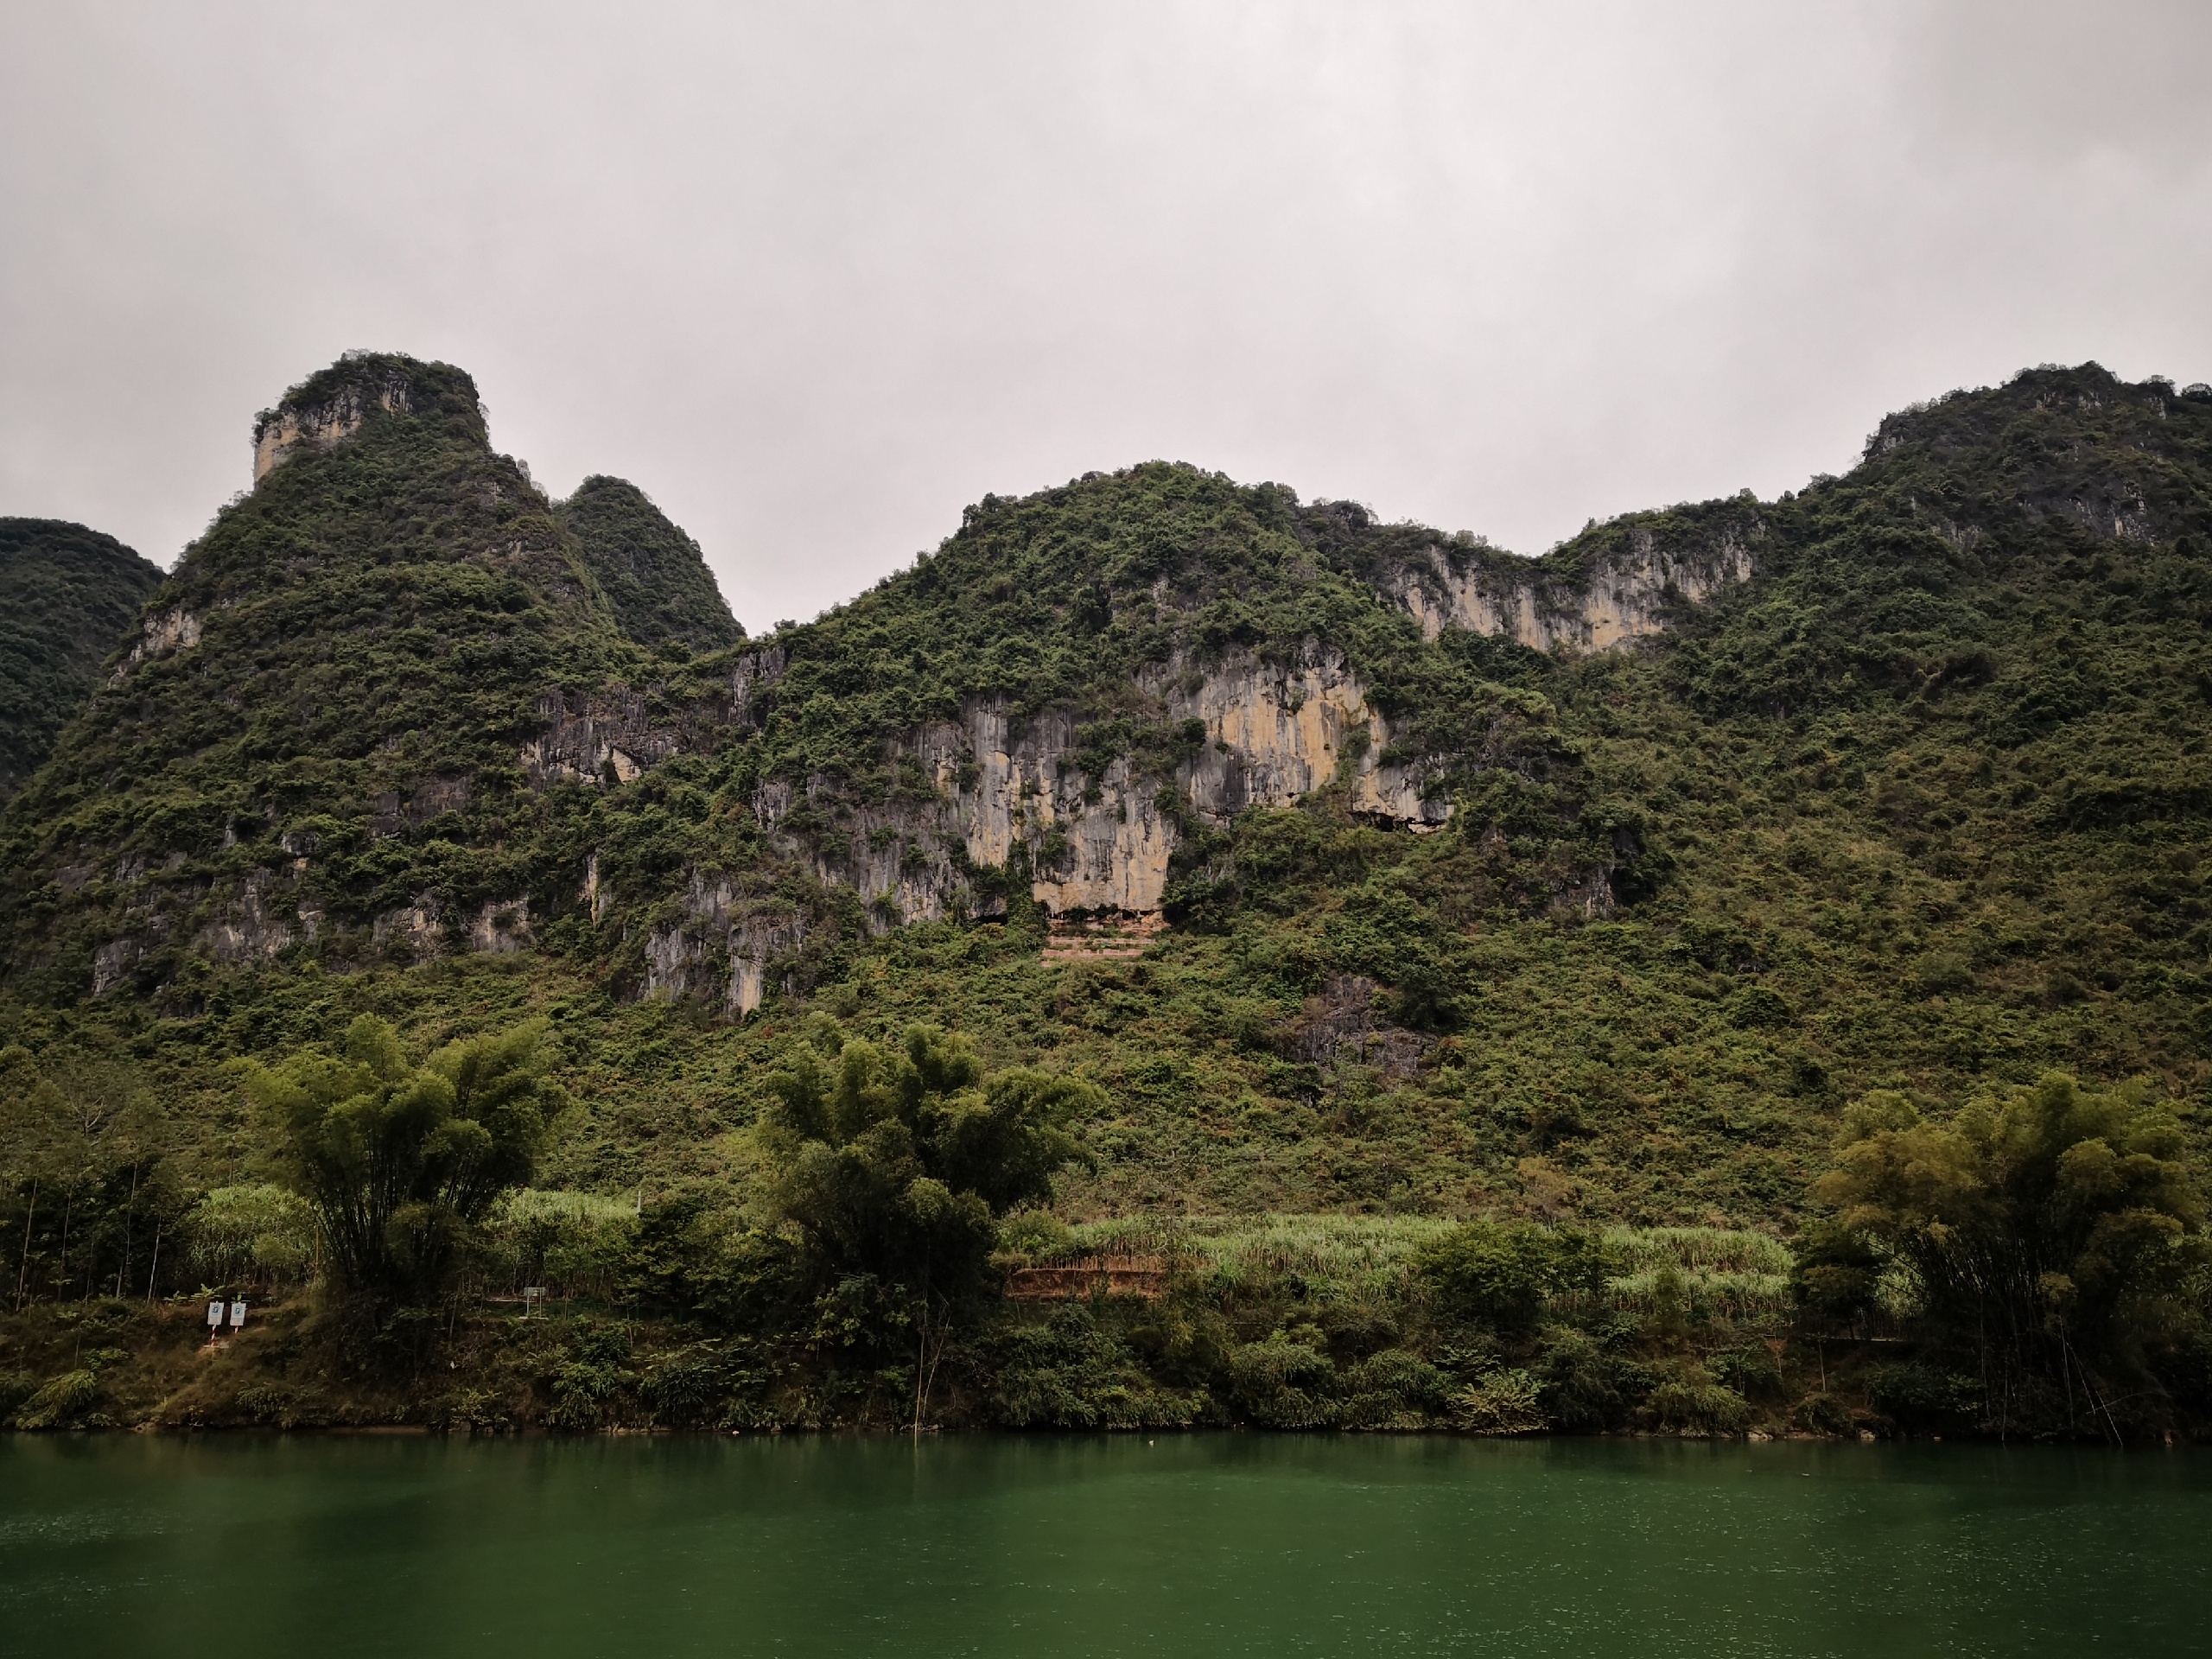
1275	733
478	686
1271	734
1625	597
284	431
601	738
161	632
730	938
986	798
327	408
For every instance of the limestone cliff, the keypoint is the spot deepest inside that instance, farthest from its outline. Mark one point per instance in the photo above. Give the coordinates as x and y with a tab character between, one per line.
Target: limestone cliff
987	798
1624	592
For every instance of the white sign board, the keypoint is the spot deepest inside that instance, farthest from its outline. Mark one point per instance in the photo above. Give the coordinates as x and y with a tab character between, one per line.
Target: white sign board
214	1315
238	1316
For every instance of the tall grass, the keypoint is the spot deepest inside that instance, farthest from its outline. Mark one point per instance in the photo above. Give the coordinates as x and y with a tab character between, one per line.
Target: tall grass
1709	1270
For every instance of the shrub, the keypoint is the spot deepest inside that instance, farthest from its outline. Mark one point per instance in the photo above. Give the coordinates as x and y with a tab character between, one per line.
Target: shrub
1502	1273
1393	1389
1690	1403
1823	1414
63	1402
1068	1373
1500	1402
1585	1388
1752	1371
1919	1396
593	1373
1279	1383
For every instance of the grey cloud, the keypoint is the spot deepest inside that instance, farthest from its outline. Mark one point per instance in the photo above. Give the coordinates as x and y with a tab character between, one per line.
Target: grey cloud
816	277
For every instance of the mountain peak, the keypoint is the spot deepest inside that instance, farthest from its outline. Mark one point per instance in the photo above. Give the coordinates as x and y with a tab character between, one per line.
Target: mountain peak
332	404
653	573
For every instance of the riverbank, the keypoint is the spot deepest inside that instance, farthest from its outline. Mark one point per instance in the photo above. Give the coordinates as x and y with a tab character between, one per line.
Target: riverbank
1278	1323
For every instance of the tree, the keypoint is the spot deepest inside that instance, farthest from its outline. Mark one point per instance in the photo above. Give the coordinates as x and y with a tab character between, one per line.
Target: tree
893	1162
400	1162
1502	1273
81	1150
2054	1232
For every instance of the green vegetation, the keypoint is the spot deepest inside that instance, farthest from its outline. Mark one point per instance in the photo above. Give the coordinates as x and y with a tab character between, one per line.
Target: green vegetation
1617	1102
2049	1239
398	1161
67	595
653	573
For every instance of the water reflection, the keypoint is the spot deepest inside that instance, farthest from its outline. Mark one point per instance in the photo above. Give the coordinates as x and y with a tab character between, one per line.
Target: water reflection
1176	1545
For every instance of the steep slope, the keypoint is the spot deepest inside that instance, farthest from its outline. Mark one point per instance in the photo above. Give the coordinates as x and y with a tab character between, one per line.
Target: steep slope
653	573
1363	865
360	644
67	595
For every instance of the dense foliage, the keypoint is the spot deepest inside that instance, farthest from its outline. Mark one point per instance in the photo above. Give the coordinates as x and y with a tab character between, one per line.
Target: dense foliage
2051	1239
653	573
1915	815
399	1161
67	595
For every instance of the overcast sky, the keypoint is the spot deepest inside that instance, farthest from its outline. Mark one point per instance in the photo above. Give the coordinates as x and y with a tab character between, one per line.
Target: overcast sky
815	275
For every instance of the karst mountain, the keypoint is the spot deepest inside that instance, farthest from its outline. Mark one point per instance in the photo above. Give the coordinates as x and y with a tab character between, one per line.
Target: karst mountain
1358	864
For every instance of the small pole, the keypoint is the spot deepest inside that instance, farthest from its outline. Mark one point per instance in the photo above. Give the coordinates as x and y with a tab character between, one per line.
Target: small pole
155	1266
24	1275
129	1208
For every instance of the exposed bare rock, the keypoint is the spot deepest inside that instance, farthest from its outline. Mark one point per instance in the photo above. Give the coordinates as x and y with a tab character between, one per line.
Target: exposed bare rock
2108	510
284	432
728	938
416	928
250	930
111	961
433	796
753	681
391	812
1117	849
1625	597
755	944
1275	733
1340	1024
1589	898
159	633
602	736
501	928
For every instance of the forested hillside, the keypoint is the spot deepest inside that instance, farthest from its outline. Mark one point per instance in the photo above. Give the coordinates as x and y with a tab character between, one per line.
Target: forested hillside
67	595
651	573
1324	866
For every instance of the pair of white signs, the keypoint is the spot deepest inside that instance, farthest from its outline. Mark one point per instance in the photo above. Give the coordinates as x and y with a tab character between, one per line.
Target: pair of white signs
215	1315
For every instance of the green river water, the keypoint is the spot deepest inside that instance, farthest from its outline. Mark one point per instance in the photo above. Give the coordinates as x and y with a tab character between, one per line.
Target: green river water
1224	1544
